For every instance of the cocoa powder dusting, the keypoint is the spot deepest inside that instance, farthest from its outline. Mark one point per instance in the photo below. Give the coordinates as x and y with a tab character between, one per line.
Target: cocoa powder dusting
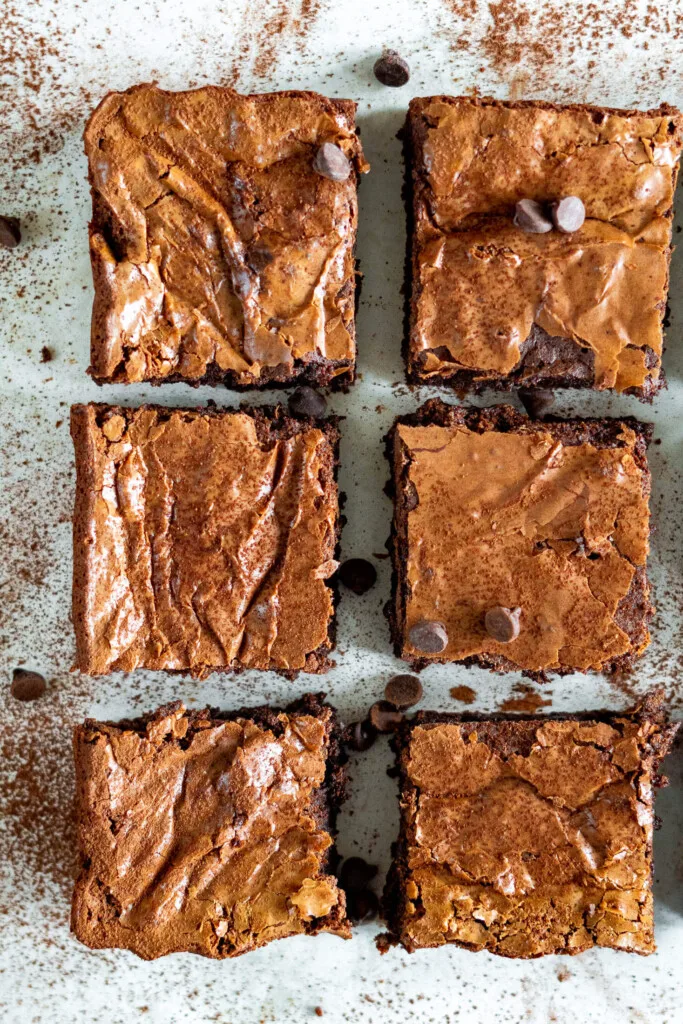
465	694
527	699
565	50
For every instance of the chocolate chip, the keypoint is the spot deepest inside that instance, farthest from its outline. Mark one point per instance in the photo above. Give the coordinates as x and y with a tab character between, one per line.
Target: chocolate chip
403	691
384	717
318	1011
27	685
531	217
355	874
362	906
358	575
359	736
45	354
428	637
536	403
391	69
331	162
307	402
502	624
568	214
10	232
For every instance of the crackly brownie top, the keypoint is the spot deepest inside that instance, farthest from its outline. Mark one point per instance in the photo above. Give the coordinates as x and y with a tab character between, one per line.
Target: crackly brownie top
483	283
199	834
530	837
216	246
200	544
536	519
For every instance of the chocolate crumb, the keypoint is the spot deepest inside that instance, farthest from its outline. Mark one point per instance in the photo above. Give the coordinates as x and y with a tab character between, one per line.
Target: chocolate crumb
319	1012
27	686
46	354
10	232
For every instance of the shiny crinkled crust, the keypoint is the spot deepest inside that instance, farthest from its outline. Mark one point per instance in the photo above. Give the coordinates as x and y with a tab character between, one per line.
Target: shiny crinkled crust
527	836
208	833
492	509
219	255
493	306
203	540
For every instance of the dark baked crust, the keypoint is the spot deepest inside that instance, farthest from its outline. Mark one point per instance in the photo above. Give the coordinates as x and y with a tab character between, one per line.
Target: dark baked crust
325	803
272	424
314	370
507	735
572	366
635	610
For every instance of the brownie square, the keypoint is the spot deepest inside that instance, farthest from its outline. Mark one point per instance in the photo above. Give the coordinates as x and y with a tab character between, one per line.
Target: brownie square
495	306
208	833
527	836
544	524
203	540
219	252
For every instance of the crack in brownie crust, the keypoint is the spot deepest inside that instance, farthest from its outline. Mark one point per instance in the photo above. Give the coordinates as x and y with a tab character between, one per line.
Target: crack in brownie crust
208	833
527	836
203	540
493	306
218	253
492	509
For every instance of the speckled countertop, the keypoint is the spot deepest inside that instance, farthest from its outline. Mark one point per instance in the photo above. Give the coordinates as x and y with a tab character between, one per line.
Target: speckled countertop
57	58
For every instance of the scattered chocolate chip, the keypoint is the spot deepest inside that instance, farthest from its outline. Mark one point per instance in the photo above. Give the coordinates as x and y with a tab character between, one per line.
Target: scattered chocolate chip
384	717
536	403
45	354
359	736
428	637
391	69
362	905
531	217
502	624
403	691
358	575
568	214
307	402
319	1012
355	874
10	232
331	162
27	685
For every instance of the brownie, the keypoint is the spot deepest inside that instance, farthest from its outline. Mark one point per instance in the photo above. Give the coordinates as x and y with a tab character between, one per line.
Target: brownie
203	539
222	237
527	835
542	523
493	305
208	833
